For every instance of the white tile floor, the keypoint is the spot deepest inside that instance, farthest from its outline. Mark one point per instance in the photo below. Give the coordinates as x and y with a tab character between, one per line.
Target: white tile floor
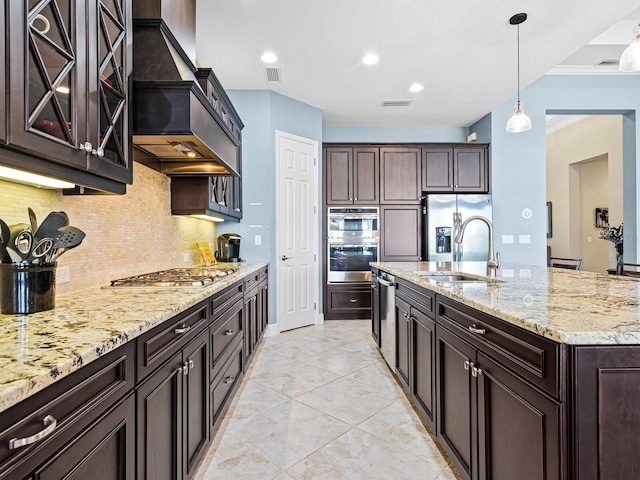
320	403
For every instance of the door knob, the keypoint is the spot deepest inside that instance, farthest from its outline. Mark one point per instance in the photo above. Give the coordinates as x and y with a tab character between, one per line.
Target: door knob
284	257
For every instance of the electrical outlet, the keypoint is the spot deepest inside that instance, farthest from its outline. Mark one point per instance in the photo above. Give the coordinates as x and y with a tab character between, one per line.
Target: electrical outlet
63	275
507	239
258	239
524	238
186	258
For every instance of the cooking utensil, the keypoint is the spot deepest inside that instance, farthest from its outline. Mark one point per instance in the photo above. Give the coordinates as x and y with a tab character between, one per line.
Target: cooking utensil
65	239
5	234
50	226
23	243
15	230
32	220
41	249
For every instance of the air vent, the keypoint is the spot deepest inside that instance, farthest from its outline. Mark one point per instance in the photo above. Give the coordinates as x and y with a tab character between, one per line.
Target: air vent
396	103
273	74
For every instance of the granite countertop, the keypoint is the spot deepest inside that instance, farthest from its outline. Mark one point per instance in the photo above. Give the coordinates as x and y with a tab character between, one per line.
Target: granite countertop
567	306
38	349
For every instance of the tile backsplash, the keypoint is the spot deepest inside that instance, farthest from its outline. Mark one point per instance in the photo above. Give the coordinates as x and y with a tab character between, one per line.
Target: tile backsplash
126	234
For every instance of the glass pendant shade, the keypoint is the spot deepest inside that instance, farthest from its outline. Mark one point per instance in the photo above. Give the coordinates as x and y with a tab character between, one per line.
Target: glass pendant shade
630	59
519	121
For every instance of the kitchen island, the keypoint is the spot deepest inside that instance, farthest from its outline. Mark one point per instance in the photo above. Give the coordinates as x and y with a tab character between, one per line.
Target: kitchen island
89	374
532	374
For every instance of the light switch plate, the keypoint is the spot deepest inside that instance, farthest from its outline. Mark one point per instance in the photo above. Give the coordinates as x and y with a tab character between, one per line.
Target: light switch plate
507	239
258	239
524	238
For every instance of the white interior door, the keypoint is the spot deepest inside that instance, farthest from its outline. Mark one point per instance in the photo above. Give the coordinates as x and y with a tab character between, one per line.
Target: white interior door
296	242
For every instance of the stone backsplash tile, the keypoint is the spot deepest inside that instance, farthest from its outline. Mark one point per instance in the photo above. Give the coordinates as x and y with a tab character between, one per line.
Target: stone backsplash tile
126	234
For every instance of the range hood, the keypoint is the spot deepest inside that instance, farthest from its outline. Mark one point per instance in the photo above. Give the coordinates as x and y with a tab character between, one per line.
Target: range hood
176	128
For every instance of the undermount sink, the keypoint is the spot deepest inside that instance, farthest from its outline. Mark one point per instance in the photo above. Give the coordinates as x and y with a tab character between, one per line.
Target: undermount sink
448	277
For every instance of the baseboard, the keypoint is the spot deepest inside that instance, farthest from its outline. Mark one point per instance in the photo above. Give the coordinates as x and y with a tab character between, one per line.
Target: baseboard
272	330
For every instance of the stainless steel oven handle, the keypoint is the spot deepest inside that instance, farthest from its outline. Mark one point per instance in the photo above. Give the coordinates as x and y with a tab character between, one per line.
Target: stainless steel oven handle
334	244
385	283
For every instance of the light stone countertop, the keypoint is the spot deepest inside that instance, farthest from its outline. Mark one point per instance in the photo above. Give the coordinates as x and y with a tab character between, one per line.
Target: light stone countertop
567	306
40	348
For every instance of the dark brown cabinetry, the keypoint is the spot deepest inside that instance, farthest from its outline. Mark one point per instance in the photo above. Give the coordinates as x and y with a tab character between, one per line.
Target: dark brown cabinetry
69	67
73	407
605	422
400	180
3	108
214	196
173	408
347	301
400	233
416	345
479	400
451	169
352	176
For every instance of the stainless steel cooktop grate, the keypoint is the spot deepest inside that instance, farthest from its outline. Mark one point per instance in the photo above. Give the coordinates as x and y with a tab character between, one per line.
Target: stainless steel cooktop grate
174	278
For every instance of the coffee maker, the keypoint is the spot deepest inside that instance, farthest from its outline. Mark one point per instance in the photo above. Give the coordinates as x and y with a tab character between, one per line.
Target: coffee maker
228	247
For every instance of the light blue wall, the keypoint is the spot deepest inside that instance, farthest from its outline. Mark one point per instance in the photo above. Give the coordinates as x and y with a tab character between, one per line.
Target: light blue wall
264	112
393	134
518	161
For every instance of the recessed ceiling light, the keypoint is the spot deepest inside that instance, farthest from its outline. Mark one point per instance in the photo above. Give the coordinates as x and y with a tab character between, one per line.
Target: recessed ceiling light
269	57
416	87
370	59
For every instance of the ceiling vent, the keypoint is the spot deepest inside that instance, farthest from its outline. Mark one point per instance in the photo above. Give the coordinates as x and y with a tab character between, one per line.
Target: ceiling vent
273	74
396	103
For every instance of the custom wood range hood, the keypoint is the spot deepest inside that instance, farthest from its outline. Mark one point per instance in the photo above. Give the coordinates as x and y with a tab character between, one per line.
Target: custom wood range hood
183	122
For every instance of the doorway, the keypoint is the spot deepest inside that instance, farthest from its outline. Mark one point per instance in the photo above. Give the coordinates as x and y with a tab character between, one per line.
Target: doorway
585	162
296	236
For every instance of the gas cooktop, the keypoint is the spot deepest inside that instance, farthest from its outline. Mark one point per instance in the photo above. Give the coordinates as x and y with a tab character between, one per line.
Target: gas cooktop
196	277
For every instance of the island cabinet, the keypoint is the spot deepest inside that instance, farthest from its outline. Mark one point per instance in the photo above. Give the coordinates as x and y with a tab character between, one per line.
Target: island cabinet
82	424
352	175
415	343
173	401
67	89
500	404
605	420
455	169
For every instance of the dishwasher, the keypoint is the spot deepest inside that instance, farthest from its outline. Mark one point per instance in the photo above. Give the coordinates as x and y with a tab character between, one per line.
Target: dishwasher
387	285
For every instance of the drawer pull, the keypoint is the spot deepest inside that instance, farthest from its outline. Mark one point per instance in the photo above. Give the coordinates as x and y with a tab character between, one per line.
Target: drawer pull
228	333
50	425
468	365
182	329
250	281
479	331
229	379
353	300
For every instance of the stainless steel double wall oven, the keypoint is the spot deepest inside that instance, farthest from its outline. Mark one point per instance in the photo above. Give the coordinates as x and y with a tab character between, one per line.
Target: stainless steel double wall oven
353	241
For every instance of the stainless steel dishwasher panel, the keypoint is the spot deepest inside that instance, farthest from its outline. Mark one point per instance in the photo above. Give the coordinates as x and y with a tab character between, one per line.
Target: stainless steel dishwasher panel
387	285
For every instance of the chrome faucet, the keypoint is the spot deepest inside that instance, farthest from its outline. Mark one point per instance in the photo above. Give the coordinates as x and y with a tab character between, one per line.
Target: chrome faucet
492	263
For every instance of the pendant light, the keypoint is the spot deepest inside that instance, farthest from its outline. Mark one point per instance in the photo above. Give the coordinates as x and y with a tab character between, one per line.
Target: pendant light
630	59
519	121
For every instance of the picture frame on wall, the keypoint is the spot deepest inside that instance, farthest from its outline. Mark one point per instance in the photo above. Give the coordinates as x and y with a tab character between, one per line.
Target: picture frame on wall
549	221
602	217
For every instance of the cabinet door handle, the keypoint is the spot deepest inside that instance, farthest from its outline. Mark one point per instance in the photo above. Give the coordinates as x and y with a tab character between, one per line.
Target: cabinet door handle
99	152
182	329
50	425
87	147
353	300
476	372
468	365
191	364
228	333
185	368
229	379
479	331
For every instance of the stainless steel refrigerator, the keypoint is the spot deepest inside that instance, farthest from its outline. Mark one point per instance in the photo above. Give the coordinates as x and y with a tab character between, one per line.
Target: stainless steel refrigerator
442	217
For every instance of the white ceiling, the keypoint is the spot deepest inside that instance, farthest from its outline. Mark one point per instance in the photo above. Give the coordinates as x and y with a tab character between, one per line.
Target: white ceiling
463	52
